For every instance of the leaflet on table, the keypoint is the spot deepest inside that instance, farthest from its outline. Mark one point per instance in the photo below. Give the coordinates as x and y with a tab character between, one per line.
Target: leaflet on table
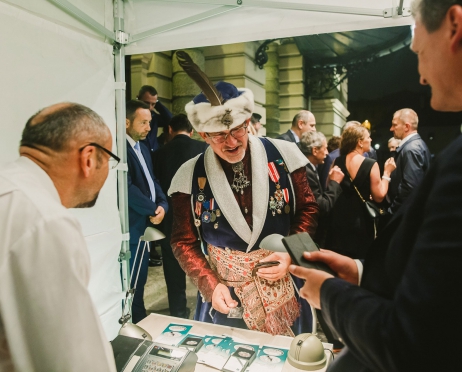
213	352
173	334
269	359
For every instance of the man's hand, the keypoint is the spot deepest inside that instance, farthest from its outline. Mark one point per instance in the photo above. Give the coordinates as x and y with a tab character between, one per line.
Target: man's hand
336	174
344	266
160	214
311	291
221	299
275	272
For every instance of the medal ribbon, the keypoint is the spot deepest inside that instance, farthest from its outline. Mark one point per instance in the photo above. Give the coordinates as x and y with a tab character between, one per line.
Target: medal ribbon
198	209
201	181
212	204
273	172
286	195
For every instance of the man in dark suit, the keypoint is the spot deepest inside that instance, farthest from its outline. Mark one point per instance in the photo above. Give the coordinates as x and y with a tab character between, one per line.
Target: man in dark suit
303	122
160	116
147	203
412	158
167	160
406	311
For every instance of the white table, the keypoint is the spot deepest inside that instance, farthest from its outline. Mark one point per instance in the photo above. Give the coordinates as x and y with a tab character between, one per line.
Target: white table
156	323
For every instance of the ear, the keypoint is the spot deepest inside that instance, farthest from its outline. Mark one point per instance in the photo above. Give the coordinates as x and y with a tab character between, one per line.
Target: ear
300	124
205	137
127	123
88	161
170	131
454	17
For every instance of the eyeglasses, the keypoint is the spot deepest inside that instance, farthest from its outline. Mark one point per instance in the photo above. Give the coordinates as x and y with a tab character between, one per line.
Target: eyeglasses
113	161
236	133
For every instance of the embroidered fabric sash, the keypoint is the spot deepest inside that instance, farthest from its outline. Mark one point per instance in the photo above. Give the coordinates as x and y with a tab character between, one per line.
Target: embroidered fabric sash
269	306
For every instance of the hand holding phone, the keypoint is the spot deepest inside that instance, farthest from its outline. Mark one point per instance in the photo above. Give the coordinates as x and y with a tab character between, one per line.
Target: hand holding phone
297	244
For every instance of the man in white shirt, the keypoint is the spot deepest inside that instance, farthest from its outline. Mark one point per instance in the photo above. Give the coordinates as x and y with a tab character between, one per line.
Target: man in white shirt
47	319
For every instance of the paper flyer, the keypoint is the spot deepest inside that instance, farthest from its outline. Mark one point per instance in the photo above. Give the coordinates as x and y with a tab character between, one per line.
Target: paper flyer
173	334
213	353
269	359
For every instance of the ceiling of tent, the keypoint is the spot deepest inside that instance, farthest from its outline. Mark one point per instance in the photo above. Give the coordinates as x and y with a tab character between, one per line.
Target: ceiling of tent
159	25
347	47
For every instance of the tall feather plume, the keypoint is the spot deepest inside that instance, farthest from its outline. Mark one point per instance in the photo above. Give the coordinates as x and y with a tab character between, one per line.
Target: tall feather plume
200	78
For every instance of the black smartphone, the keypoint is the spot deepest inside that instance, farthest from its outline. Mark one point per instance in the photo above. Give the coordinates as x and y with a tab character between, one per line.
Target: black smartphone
297	244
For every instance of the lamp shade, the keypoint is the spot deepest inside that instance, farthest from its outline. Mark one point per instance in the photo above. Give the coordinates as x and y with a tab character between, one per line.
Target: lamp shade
273	243
307	352
151	234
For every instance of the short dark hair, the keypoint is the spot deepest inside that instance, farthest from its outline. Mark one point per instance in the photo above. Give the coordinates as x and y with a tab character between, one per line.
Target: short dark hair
350	138
62	125
180	123
132	106
432	12
255	118
333	143
147	89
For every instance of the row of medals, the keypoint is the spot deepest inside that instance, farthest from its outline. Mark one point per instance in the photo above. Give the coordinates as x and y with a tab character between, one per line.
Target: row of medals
208	215
276	202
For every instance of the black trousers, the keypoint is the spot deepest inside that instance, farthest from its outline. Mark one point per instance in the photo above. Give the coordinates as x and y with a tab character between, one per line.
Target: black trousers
175	279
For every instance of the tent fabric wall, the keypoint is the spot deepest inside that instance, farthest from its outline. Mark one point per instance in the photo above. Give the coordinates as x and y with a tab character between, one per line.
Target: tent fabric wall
43	62
246	23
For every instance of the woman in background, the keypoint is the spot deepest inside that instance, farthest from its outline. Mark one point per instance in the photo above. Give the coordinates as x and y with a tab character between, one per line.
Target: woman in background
351	230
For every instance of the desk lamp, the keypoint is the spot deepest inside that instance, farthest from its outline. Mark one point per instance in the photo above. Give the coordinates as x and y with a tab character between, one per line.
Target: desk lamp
306	350
129	329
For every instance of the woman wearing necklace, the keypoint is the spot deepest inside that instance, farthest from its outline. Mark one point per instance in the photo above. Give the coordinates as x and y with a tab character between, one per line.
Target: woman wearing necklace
351	230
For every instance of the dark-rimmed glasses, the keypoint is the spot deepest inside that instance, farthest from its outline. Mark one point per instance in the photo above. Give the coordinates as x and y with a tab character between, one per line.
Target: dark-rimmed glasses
113	161
222	137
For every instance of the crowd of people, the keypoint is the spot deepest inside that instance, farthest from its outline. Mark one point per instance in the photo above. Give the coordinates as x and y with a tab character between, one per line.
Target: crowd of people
393	239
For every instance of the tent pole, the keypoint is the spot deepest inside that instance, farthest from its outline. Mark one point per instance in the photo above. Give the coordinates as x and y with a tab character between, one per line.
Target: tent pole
119	74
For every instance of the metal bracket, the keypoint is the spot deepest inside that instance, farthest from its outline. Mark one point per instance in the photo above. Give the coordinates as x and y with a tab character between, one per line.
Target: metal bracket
122	167
394	12
121	37
126	237
120	85
124	256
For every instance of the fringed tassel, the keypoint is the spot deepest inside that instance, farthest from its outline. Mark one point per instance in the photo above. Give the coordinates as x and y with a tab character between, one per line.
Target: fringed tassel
279	321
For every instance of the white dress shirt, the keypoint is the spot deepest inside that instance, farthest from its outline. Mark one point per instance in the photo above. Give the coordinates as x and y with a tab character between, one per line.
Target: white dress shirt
47	319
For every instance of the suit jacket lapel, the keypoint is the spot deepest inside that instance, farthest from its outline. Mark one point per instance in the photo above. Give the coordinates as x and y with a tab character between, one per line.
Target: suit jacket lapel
131	152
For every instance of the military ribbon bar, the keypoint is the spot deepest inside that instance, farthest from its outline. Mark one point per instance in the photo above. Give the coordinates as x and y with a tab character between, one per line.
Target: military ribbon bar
273	172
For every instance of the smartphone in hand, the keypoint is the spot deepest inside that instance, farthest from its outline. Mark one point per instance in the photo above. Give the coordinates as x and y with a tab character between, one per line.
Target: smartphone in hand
297	244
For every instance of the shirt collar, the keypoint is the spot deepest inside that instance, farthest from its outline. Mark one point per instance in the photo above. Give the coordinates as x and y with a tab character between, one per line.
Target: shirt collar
131	141
297	139
404	140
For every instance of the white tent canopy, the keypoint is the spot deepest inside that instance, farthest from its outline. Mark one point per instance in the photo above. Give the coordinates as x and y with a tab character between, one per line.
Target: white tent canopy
62	50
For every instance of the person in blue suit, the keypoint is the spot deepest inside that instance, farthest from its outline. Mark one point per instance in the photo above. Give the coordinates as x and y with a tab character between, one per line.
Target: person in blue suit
403	312
147	203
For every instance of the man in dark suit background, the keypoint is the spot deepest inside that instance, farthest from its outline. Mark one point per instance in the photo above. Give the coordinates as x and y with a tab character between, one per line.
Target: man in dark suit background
412	158
167	160
303	122
406	310
160	116
147	203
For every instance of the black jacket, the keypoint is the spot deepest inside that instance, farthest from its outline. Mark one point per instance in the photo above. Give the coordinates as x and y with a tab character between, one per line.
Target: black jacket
412	162
287	136
167	160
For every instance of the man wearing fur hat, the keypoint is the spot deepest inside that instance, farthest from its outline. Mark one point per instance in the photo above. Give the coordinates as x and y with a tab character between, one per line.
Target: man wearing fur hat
226	200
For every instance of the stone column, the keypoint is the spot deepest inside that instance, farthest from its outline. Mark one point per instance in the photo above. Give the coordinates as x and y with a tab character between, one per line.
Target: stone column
234	63
272	91
160	76
292	84
330	114
139	72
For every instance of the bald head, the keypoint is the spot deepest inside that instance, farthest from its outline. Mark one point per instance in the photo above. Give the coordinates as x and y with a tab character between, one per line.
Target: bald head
404	123
62	126
303	122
